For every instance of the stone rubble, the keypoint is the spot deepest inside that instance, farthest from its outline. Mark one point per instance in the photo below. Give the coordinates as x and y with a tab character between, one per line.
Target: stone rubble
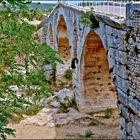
51	117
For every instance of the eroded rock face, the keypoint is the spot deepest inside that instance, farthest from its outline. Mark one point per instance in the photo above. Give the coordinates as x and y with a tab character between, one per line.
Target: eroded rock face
50	115
62	95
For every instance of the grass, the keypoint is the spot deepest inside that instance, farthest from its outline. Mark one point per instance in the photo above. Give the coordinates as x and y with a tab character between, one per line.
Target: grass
16	119
88	133
32	14
64	106
30	110
68	74
92	123
108	113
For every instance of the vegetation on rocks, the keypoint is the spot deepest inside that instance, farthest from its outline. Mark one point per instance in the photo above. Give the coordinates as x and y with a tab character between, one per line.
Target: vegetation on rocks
32	14
68	74
22	81
88	134
68	103
108	113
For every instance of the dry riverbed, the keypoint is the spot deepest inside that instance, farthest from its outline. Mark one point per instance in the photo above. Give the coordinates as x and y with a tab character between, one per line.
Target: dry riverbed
95	125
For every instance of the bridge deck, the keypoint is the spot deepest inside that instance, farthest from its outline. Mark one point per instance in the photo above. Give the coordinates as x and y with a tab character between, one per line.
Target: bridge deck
108	10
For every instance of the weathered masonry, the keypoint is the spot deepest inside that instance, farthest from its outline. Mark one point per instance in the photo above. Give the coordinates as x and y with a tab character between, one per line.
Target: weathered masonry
106	60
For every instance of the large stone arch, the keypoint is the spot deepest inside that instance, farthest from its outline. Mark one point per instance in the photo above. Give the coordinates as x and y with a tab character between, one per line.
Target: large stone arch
63	45
96	84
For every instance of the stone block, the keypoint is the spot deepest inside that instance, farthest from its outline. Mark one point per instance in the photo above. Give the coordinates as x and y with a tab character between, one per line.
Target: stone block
132	14
123	122
123	134
121	57
134	105
124	111
137	125
111	57
135	133
138	45
122	84
122	97
110	41
138	39
129	127
108	30
121	71
130	138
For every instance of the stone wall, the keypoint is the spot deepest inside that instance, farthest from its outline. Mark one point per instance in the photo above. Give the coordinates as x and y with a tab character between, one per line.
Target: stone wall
122	59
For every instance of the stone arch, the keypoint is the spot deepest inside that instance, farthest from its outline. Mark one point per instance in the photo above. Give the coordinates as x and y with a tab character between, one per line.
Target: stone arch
63	44
51	36
98	91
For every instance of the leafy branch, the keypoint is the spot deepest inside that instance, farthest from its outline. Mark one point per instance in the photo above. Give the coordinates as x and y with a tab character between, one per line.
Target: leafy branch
22	59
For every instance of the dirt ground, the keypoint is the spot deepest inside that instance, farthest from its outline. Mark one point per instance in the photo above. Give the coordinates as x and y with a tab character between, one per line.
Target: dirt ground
98	126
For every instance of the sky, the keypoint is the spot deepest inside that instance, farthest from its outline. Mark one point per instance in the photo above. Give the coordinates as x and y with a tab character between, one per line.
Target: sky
55	1
45	1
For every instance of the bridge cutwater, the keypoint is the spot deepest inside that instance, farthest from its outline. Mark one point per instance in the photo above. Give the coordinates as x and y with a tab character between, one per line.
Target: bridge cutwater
105	60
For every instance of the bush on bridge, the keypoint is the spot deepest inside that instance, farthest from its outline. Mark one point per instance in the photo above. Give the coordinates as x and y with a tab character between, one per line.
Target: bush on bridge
88	19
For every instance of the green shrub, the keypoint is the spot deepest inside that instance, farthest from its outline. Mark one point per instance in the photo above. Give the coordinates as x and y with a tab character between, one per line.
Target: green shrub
32	109
88	133
88	19
68	74
32	14
38	14
108	113
93	123
64	106
73	103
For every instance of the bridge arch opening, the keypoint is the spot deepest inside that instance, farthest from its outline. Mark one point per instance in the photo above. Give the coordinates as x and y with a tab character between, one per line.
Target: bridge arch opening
63	46
51	37
97	86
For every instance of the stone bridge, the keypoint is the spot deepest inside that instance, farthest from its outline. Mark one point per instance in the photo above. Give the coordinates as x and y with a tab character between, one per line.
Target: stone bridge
105	61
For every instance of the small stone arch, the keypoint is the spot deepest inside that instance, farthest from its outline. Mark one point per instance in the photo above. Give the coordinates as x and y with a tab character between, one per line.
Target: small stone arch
63	45
96	84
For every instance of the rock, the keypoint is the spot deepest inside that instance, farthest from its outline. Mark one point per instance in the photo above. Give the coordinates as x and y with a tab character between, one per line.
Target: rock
65	118
72	111
63	94
49	72
50	117
55	104
44	117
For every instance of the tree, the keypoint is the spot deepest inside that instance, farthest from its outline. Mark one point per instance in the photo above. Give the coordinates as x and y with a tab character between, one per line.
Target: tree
15	2
21	62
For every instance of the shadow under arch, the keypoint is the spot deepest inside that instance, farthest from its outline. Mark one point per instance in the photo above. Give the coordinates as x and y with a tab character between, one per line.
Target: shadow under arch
51	37
98	92
63	46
